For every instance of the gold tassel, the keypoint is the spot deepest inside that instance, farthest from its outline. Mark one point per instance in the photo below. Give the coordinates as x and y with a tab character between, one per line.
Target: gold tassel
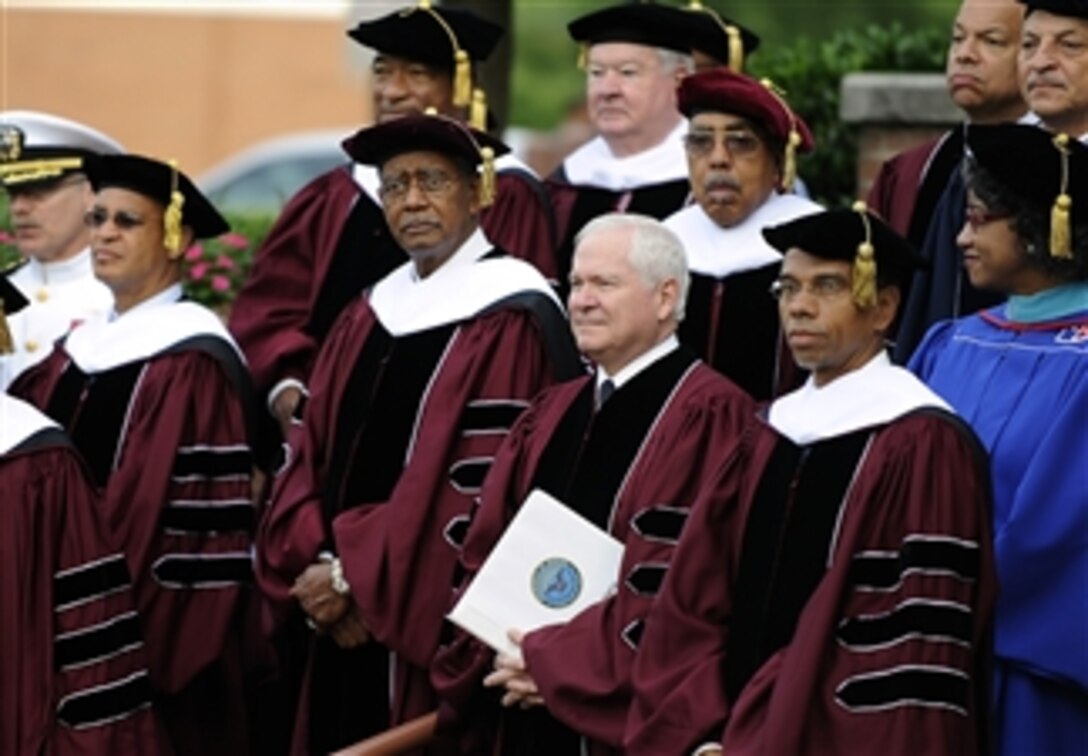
478	114
487	178
583	56
736	49
863	279
1061	243
7	343
171	219
789	161
462	79
1061	233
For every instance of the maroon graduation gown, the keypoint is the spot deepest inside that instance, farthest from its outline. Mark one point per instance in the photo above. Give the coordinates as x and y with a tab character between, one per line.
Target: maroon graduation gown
583	667
400	555
303	275
177	501
865	670
73	674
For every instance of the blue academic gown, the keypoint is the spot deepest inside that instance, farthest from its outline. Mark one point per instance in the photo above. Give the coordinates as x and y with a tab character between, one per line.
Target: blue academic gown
1024	389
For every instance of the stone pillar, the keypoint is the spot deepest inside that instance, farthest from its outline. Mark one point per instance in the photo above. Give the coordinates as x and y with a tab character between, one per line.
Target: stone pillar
894	112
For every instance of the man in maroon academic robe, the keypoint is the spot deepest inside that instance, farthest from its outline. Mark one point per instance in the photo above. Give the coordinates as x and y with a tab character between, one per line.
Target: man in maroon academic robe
919	192
73	675
635	55
331	241
628	448
741	146
415	388
832	593
153	397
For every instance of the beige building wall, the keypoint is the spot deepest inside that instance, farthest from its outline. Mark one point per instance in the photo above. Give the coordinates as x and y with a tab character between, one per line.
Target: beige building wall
195	87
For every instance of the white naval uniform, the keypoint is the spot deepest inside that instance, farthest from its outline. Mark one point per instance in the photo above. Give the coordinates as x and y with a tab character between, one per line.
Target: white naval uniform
61	295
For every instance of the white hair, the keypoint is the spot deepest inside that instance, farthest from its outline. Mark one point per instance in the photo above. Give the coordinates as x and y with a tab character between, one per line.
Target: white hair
655	251
673	61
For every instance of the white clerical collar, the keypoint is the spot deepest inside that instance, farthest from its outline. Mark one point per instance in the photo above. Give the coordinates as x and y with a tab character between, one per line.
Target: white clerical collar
169	295
19	421
593	164
142	332
63	271
718	252
874	394
640	363
462	287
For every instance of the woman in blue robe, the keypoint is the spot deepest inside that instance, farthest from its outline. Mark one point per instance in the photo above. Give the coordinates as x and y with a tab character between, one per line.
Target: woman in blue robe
1018	373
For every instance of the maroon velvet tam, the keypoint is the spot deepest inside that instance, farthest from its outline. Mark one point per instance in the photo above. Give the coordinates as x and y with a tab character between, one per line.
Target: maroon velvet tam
723	91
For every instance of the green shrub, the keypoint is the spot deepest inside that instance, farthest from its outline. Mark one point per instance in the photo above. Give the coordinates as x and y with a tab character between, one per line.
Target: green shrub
811	73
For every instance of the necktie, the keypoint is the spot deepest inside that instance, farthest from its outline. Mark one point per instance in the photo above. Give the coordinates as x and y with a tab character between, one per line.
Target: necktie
604	392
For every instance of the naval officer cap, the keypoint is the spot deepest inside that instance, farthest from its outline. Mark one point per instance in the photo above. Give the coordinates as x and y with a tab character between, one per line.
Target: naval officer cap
40	148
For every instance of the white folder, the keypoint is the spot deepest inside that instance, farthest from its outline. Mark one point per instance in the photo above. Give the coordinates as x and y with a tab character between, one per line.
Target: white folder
549	565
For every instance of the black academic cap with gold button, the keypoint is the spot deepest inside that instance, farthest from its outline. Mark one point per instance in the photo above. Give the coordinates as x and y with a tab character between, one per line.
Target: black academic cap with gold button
39	147
880	256
643	24
11	301
1046	171
719	37
374	145
1074	8
185	205
446	38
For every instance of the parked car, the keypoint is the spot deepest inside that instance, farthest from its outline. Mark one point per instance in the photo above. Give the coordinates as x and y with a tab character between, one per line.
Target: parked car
260	179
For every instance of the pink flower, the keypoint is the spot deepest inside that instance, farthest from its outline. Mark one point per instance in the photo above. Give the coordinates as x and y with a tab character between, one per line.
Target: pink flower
220	283
225	262
237	241
194	252
5	237
198	271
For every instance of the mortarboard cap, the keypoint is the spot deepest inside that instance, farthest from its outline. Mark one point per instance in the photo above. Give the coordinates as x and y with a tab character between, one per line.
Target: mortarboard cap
1045	171
642	24
719	37
443	37
38	147
11	301
1074	8
880	256
185	205
721	90
374	145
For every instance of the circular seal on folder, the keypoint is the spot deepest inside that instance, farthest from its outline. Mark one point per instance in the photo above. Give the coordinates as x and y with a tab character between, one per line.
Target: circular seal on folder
556	582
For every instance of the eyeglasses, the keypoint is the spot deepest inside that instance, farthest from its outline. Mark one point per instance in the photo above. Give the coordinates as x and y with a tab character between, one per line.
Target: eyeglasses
737	143
431	182
122	219
977	217
821	287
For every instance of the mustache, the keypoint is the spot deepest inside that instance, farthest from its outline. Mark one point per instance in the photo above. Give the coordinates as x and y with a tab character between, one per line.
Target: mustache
1043	79
721	181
